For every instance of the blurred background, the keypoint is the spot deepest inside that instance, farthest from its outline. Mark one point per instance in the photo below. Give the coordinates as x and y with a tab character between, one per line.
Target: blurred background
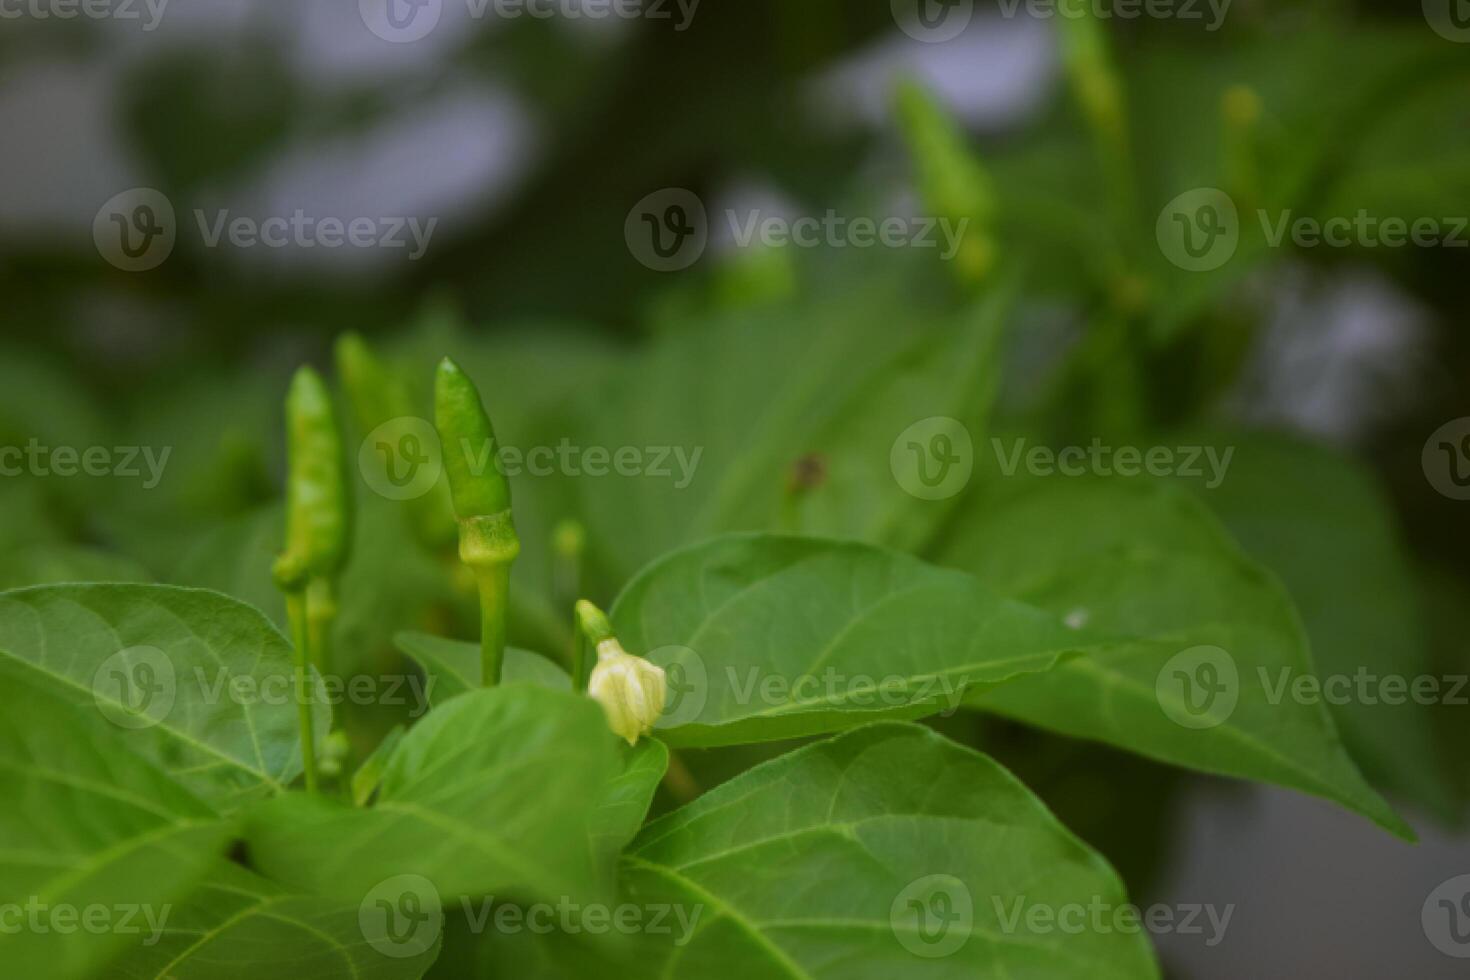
172	171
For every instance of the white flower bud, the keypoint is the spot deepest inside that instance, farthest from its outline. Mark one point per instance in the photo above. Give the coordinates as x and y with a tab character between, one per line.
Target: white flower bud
630	689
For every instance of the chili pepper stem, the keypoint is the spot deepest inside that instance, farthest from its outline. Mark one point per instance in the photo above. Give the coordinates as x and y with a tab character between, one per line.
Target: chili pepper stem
494	583
579	662
296	612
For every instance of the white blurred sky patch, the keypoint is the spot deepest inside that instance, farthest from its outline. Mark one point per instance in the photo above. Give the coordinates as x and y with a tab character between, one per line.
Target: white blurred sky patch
449	160
995	74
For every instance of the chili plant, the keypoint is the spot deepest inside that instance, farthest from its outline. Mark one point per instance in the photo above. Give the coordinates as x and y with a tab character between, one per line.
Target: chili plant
838	582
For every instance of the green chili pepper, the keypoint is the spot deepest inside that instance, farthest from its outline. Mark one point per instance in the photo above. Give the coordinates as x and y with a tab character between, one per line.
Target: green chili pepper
951	180
317	530
1099	90
317	521
481	496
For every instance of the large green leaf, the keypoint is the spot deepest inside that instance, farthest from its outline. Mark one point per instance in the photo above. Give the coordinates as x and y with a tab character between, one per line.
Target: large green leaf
488	794
1339	555
884	852
1145	571
240	926
454	666
195	681
721	413
50	564
768	637
88	829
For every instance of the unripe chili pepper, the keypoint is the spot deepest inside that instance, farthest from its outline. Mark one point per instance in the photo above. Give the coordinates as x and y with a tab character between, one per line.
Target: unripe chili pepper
951	180
481	497
317	511
317	529
630	689
1099	90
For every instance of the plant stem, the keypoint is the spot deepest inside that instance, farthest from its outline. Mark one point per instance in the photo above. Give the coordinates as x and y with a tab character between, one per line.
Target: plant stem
579	662
494	582
301	634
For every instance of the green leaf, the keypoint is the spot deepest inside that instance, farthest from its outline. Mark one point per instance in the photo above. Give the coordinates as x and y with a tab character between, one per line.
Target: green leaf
235	557
945	388
723	411
240	926
195	681
884	852
767	637
1145	571
624	803
52	564
488	794
369	775
452	667
1340	557
87	824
